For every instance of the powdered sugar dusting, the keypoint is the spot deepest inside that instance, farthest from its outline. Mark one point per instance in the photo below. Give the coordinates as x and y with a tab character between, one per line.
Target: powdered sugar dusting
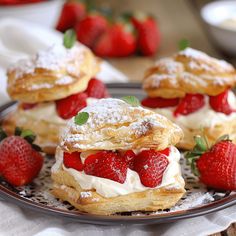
85	194
112	116
53	59
64	80
205	62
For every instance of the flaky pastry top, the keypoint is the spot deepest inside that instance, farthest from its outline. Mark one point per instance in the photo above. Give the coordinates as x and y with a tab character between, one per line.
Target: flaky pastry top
188	71
115	125
51	74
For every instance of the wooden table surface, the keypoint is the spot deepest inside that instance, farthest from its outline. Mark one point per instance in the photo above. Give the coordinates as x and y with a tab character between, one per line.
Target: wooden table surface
177	19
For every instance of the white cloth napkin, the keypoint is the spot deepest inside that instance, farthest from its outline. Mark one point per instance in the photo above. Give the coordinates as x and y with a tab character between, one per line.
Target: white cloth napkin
19	39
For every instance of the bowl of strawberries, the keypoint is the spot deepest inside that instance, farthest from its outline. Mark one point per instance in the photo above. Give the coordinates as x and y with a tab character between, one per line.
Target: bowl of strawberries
44	12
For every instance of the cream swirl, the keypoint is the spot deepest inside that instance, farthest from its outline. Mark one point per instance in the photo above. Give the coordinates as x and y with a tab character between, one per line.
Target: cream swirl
109	188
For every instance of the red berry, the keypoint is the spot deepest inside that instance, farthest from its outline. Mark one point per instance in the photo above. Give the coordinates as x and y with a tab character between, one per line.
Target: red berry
108	165
189	104
129	158
70	106
96	89
73	160
148	34
72	12
28	106
150	165
217	167
90	29
220	103
118	41
19	162
165	151
159	102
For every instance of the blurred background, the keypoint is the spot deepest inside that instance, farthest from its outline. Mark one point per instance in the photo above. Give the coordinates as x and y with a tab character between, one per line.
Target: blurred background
206	25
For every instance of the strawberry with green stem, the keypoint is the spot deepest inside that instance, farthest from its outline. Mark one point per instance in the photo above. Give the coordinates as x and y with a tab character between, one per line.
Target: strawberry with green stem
20	159
215	165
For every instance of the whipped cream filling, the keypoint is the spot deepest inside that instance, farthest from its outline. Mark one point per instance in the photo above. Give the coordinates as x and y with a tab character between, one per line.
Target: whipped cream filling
47	112
109	188
204	117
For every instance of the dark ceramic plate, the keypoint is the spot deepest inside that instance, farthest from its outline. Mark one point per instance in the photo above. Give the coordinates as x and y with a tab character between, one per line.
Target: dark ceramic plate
197	201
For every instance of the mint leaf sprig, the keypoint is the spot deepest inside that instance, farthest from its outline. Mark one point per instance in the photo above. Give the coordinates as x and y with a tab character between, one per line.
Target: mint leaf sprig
131	100
69	38
81	118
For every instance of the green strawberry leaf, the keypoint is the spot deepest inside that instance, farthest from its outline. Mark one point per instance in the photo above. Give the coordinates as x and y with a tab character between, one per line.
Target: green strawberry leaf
36	147
69	38
81	118
131	100
183	44
201	144
224	137
3	134
18	131
28	135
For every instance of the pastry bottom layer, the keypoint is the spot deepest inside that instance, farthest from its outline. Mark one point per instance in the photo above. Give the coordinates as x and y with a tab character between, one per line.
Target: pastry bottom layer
47	132
212	134
67	189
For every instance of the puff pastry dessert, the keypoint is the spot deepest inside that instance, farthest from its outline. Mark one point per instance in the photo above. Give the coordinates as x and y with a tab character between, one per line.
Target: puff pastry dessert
51	87
122	159
193	90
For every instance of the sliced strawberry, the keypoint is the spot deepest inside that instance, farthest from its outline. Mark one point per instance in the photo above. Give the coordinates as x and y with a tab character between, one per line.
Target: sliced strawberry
165	151
19	162
90	29
70	106
220	103
189	104
96	89
108	165
72	12
28	106
129	158
148	34
73	160
91	161
159	102
150	165
118	41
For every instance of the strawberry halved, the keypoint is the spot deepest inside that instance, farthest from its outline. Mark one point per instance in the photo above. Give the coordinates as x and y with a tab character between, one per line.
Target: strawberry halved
220	103
189	104
159	102
70	106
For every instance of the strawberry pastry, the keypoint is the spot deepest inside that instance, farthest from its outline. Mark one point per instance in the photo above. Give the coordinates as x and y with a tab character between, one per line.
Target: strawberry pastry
52	87
118	157
193	90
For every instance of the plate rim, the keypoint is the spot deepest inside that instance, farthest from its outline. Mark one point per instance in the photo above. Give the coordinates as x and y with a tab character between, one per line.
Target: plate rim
168	217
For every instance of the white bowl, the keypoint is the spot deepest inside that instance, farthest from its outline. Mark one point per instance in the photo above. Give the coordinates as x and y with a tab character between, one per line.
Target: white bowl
213	14
44	13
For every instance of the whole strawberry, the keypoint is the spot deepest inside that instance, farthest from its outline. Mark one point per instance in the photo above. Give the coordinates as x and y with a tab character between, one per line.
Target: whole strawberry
90	29
118	41
215	166
148	34
20	163
72	12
